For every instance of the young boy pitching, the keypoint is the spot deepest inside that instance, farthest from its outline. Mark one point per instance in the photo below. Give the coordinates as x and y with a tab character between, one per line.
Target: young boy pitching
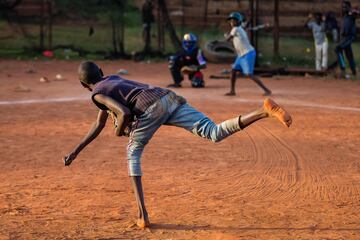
246	54
140	109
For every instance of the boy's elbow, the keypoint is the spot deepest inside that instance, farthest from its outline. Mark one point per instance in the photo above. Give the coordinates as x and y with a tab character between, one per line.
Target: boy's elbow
125	112
126	115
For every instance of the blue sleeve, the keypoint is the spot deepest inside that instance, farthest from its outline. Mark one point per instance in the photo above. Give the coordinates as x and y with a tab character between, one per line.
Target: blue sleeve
310	25
200	58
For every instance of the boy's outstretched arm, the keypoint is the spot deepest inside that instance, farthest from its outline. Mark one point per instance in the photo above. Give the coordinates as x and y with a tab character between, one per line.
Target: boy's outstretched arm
309	19
258	27
355	12
122	113
228	37
94	131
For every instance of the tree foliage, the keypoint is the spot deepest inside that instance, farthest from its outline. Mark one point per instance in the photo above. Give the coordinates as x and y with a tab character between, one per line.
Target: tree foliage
8	4
93	9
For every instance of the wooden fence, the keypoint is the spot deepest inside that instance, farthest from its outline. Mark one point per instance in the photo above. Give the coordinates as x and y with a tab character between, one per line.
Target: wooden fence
213	13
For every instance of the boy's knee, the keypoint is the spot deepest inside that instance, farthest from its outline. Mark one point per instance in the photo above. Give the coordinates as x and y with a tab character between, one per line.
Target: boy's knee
235	72
134	152
214	137
134	167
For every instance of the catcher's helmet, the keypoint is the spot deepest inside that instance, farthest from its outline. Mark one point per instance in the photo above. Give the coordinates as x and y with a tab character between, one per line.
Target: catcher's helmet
237	16
189	42
89	73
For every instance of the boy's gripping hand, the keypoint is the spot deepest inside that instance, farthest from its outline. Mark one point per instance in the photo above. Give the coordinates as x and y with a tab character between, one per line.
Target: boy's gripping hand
127	128
189	69
113	117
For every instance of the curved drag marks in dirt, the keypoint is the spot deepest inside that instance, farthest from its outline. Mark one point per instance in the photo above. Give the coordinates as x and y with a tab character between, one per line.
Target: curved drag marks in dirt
280	170
308	179
277	167
274	170
255	150
277	171
292	152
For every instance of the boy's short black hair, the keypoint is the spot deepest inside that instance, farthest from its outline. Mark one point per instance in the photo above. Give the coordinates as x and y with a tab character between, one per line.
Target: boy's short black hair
89	73
318	15
348	3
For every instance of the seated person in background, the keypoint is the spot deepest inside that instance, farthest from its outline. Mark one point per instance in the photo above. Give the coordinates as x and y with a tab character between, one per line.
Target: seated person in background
189	61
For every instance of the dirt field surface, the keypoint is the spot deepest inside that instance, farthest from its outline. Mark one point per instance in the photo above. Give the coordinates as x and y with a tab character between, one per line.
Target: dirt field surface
266	182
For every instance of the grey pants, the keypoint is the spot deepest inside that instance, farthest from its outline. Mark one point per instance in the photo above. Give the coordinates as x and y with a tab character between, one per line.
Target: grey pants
172	110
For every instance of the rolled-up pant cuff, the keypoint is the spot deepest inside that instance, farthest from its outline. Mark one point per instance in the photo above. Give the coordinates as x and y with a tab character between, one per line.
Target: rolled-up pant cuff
134	169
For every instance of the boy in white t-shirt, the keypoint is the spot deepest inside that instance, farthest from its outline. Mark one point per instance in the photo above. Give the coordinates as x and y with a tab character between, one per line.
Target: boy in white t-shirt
316	23
246	54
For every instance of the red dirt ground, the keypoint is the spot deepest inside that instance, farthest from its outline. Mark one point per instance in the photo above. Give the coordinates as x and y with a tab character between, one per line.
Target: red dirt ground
266	182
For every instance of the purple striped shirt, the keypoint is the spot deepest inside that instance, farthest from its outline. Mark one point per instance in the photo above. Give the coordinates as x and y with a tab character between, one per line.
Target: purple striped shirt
133	95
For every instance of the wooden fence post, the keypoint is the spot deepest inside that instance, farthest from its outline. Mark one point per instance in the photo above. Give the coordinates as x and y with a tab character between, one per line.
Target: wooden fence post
42	19
252	18
256	34
276	28
49	10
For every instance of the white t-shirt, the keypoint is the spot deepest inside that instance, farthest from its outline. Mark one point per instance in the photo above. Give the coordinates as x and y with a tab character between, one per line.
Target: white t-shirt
241	41
318	32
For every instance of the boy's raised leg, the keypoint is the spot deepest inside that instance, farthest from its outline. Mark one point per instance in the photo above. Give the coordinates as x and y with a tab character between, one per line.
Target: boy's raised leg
275	111
269	109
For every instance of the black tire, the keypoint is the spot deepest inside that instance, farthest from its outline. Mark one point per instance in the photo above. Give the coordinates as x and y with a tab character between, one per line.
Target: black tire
219	52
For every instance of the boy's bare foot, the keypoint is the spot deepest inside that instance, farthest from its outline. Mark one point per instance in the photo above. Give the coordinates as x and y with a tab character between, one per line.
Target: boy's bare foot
143	223
274	110
230	94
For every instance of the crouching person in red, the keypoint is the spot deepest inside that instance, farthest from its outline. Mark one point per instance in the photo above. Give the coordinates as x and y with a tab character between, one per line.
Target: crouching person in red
189	61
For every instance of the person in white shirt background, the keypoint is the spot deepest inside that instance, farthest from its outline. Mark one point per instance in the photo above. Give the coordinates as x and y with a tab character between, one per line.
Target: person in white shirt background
316	23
